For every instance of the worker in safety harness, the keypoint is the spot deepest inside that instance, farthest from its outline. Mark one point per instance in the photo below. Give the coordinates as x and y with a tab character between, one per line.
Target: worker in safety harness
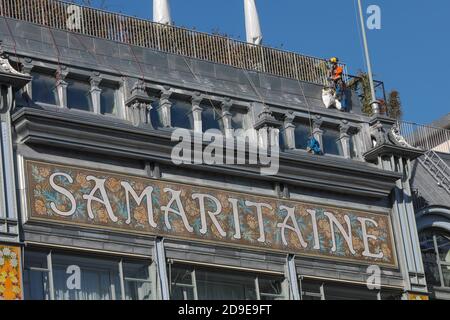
336	73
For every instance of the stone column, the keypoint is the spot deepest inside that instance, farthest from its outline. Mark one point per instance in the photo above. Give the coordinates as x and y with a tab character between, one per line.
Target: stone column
345	138
96	92
61	87
196	99
289	130
226	118
165	106
317	131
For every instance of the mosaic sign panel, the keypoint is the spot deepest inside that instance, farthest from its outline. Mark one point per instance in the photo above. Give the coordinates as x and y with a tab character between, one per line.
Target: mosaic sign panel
97	199
10	273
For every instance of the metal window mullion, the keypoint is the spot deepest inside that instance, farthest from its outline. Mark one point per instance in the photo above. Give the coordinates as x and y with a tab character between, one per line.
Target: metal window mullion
122	279
292	277
194	283
258	294
162	271
438	260
50	276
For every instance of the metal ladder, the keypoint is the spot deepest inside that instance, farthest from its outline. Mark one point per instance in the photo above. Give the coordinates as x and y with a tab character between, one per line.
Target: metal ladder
437	167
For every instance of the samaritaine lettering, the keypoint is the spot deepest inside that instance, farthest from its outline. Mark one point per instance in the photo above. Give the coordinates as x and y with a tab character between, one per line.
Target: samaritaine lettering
144	205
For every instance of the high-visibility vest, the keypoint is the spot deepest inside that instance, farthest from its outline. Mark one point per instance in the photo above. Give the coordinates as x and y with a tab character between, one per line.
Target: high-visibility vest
337	72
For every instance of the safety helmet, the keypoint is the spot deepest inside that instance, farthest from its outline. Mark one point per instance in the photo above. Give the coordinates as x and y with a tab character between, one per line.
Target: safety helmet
334	60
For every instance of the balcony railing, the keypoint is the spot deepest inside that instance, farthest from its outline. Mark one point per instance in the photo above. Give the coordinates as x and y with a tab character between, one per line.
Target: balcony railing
426	137
133	31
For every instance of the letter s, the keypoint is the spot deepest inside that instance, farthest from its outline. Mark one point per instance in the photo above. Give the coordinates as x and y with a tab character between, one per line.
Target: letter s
64	192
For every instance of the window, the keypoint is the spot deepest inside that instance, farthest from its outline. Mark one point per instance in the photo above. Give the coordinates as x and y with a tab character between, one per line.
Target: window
181	114
77	277
79	95
436	258
331	139
192	283
211	118
43	88
319	290
302	135
109	99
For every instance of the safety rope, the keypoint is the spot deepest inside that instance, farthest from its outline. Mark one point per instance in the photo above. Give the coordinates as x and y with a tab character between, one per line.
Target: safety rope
14	41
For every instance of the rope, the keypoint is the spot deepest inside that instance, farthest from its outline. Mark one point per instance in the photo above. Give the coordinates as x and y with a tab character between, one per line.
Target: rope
14	40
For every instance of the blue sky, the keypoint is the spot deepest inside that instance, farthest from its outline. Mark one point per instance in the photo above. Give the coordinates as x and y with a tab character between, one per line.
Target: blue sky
411	53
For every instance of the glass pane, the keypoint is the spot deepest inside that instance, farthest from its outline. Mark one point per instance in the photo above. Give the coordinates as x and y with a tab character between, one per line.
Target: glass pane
182	293
211	119
430	259
79	95
223	286
331	142
337	292
443	244
181	283
138	290
36	285
155	115
79	278
270	286
181	114
238	118
311	290
136	271
36	282
446	275
43	88
135	289
108	100
181	275
302	135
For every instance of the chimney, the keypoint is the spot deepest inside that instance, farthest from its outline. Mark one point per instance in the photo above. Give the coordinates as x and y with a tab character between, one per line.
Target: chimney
252	26
161	12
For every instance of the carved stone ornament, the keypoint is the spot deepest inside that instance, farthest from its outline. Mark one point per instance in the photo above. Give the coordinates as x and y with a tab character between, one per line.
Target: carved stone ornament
396	138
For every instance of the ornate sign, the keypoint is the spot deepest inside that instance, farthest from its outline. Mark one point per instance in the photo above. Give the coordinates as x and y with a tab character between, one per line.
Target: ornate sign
10	274
97	199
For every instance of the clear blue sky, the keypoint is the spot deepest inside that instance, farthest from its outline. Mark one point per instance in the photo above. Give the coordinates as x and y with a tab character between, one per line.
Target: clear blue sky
411	53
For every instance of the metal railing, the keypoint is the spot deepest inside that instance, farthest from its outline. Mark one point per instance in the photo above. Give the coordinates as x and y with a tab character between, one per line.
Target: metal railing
425	137
138	32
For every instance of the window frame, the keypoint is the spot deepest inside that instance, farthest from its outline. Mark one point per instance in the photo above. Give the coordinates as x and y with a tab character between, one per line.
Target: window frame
105	260
250	273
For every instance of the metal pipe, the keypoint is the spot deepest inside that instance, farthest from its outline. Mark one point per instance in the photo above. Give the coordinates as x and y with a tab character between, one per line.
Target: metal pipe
375	105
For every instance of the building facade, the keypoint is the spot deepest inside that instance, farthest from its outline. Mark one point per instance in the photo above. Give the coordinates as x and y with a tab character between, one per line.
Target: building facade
93	207
431	193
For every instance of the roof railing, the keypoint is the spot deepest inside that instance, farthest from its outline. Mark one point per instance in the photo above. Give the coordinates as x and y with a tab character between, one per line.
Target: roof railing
425	137
138	32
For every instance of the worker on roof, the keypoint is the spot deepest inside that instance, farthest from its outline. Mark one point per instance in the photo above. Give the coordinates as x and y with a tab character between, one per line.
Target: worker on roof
336	77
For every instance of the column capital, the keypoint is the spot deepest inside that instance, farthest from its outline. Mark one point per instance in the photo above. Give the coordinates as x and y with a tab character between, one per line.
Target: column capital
196	99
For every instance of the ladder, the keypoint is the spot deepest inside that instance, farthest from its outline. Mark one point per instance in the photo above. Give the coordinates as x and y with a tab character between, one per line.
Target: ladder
437	167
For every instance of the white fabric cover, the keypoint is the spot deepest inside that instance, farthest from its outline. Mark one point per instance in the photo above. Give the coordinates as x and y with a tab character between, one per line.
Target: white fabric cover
253	29
161	12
